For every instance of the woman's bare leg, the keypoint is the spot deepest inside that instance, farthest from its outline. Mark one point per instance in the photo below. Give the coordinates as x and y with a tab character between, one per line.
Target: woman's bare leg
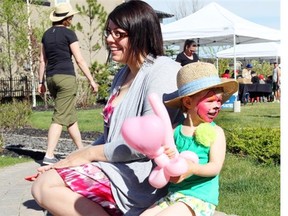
54	134
75	134
50	192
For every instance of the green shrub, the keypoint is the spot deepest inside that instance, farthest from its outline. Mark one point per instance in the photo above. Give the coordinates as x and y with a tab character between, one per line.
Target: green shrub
262	144
14	115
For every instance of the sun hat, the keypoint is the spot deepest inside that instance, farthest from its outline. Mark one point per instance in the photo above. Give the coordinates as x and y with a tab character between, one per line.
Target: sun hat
62	11
198	76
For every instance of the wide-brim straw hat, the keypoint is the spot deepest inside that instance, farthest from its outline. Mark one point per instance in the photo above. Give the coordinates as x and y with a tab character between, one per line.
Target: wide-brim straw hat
62	11
195	77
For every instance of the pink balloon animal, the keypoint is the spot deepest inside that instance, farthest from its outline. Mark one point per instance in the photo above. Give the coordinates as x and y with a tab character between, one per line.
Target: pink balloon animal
148	134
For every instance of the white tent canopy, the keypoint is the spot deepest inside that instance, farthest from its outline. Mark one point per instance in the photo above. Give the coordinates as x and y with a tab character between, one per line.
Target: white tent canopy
256	50
214	25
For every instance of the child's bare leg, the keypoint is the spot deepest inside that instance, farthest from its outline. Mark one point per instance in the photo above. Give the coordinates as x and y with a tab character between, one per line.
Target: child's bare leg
178	208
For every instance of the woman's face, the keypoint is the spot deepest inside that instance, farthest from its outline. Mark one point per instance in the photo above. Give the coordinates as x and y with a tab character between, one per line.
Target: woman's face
118	42
208	104
191	49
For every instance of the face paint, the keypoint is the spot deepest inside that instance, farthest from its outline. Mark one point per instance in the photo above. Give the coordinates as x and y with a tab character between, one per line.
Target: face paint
209	105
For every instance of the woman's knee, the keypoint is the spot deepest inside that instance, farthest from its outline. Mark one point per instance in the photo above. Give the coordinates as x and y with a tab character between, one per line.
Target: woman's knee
44	183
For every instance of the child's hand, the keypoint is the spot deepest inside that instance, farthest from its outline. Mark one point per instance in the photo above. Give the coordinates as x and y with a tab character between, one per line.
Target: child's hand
170	152
176	179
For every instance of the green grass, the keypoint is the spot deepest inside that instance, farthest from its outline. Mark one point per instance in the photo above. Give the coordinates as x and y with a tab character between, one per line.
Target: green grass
249	189
256	115
88	120
246	187
10	161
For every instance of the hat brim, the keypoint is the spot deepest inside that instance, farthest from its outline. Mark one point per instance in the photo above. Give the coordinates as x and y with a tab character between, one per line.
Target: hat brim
54	18
230	86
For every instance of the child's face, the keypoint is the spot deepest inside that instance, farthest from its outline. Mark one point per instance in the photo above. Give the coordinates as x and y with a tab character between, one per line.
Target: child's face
208	104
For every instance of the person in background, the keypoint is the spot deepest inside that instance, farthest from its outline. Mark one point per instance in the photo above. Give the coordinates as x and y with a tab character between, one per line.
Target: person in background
59	44
268	80
276	77
254	80
201	94
226	74
188	55
109	177
261	79
246	72
237	74
254	77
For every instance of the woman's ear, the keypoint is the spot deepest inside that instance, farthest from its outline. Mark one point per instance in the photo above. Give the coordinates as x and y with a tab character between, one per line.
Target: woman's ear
187	103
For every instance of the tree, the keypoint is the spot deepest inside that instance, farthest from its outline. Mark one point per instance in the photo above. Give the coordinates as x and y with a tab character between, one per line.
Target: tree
13	35
185	8
94	16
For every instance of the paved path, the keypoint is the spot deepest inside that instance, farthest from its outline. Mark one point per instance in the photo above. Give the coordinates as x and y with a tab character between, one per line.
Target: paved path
15	195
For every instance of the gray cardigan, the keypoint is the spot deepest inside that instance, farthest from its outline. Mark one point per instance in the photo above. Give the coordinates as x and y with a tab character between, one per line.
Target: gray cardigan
128	169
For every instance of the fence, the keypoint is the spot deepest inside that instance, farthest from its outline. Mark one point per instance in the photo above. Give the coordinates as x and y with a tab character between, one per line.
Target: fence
15	88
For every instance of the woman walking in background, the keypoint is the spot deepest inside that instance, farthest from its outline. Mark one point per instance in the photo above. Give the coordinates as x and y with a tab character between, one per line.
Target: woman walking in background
58	45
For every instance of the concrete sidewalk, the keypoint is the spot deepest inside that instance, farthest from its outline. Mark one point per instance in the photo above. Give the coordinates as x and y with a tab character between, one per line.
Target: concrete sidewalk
15	195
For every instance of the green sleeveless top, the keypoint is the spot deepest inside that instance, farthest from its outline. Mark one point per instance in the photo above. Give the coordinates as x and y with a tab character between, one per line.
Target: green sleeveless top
204	188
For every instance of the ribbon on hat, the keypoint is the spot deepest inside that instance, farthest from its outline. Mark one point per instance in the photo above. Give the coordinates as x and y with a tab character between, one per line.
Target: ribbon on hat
199	84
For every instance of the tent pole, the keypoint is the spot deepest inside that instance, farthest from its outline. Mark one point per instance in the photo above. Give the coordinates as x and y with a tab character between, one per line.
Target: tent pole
236	104
234	46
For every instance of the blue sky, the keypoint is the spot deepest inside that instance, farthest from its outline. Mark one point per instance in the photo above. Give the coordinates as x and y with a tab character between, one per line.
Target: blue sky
263	12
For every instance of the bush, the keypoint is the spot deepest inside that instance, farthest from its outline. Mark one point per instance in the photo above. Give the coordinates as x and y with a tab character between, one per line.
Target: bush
262	144
14	115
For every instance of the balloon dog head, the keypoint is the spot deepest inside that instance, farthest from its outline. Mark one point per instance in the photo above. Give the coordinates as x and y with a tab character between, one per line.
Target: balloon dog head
148	134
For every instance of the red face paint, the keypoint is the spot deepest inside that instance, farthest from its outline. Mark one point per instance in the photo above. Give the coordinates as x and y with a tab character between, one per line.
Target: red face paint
209	105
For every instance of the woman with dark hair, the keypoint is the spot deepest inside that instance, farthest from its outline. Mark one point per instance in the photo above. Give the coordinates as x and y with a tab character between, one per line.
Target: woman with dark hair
109	177
188	55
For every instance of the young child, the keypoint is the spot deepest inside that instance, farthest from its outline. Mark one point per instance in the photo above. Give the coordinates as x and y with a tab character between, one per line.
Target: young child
200	95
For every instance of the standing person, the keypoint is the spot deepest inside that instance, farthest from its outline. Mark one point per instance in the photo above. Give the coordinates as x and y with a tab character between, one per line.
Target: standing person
109	177
188	55
200	95
254	78
246	72
226	74
58	45
276	74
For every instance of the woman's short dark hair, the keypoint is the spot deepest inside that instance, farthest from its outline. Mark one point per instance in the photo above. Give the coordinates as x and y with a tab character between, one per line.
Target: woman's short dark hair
188	43
142	25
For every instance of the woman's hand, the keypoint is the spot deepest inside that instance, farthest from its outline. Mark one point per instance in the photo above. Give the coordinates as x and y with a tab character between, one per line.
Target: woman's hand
76	158
41	89
94	87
